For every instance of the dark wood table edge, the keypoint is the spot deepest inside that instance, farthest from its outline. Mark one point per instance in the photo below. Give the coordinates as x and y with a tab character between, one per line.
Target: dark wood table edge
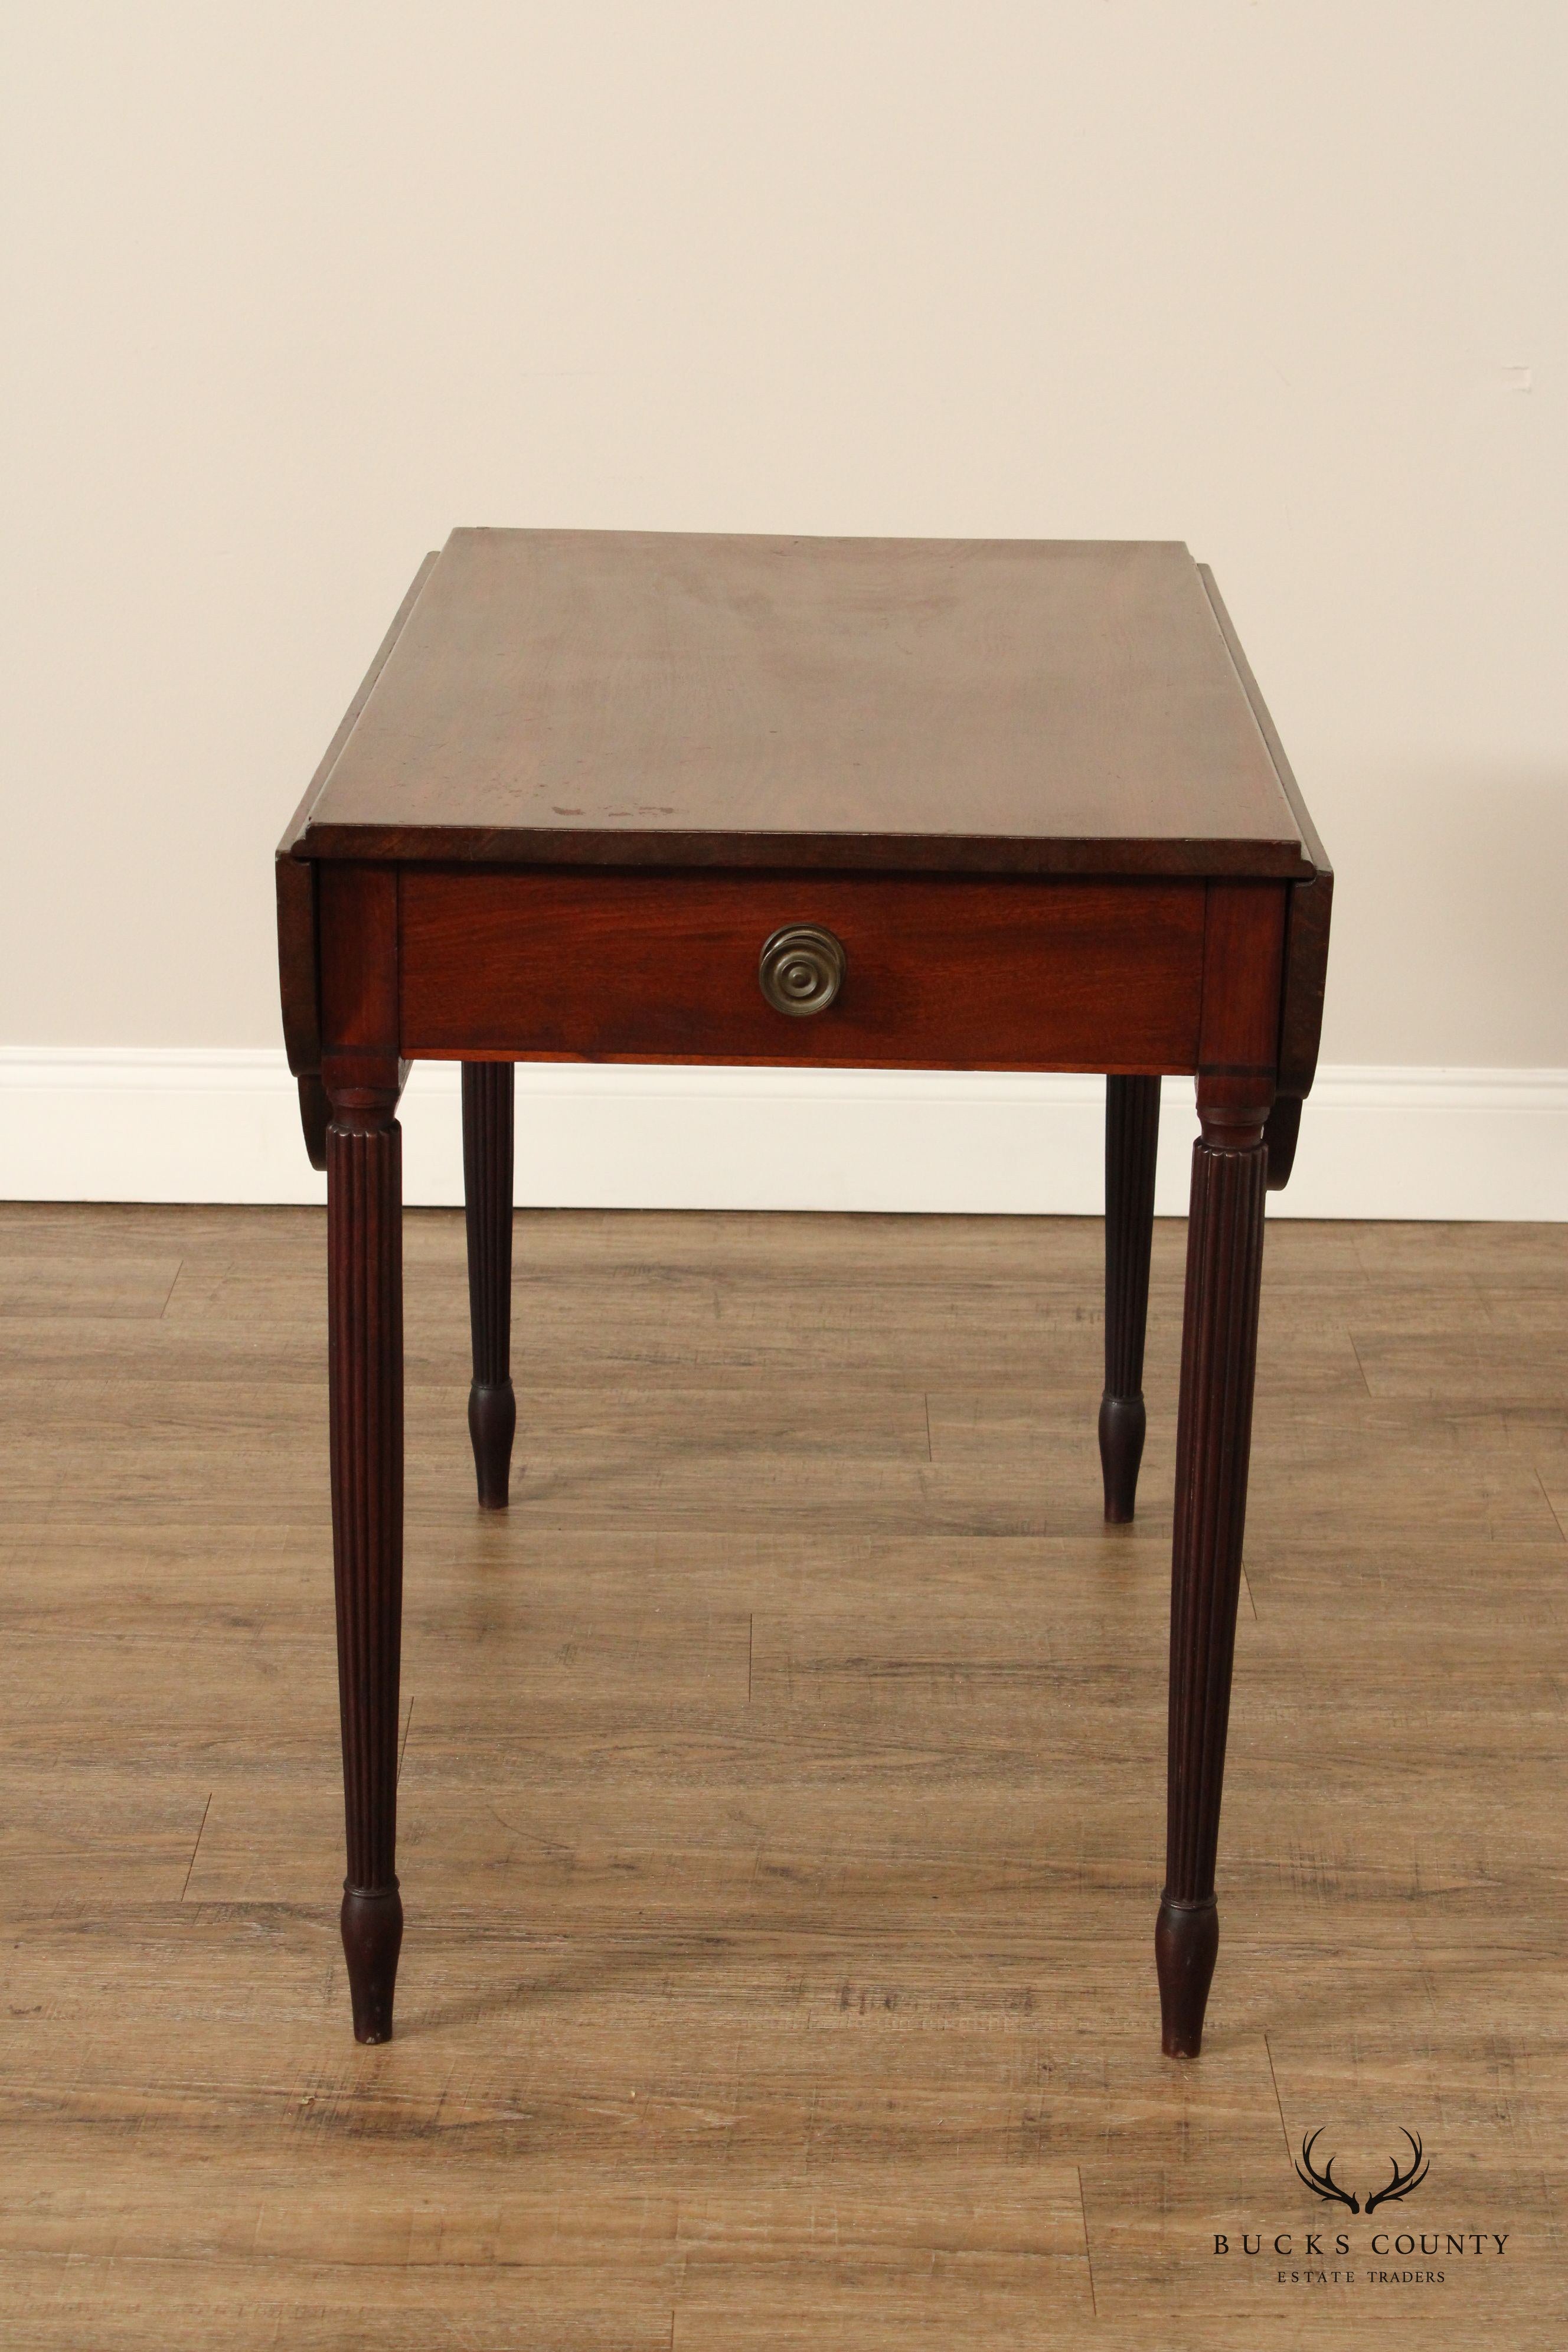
1307	924
299	956
969	856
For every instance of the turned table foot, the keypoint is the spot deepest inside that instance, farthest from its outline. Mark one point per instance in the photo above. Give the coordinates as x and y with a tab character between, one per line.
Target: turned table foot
1132	1141
488	1090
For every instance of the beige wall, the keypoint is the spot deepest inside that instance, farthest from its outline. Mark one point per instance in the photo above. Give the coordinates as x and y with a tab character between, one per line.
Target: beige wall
290	289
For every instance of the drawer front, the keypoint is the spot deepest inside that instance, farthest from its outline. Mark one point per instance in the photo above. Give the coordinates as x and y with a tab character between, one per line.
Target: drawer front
936	974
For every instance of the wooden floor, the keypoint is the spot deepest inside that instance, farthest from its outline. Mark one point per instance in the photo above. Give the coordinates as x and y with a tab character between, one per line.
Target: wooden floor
781	1801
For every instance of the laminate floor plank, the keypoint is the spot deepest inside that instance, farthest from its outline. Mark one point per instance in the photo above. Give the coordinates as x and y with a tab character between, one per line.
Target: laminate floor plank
44	1285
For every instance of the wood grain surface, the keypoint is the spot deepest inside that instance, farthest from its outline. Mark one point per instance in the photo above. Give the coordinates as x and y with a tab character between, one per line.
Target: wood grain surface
642	698
781	1779
940	973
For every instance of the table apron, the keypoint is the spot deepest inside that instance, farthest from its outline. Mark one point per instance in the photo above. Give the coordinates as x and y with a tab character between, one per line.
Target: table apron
955	974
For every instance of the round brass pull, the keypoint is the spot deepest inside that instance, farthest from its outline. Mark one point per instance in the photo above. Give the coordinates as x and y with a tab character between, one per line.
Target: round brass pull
801	969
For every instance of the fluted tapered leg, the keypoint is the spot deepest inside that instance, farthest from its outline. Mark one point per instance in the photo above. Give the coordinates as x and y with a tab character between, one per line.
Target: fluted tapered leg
1131	1144
1214	1436
364	1248
488	1091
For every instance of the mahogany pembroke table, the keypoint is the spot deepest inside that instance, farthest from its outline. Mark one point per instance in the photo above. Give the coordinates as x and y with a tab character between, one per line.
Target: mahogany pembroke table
932	805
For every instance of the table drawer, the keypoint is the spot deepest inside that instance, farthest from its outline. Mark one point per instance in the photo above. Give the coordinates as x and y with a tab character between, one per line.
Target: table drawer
936	974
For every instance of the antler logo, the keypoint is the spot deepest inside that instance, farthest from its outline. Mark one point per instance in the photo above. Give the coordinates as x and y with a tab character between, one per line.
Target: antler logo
1323	2184
1403	2182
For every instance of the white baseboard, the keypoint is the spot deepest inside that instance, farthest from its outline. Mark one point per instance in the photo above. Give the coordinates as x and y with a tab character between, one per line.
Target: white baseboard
176	1124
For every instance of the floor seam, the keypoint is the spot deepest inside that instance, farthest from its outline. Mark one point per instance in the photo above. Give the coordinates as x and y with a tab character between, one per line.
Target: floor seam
1278	2100
1089	2258
197	1847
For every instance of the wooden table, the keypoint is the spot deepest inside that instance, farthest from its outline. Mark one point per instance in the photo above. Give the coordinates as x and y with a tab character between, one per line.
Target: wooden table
936	804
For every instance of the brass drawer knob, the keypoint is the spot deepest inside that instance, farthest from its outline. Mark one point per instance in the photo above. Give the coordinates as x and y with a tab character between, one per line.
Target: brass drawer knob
801	969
